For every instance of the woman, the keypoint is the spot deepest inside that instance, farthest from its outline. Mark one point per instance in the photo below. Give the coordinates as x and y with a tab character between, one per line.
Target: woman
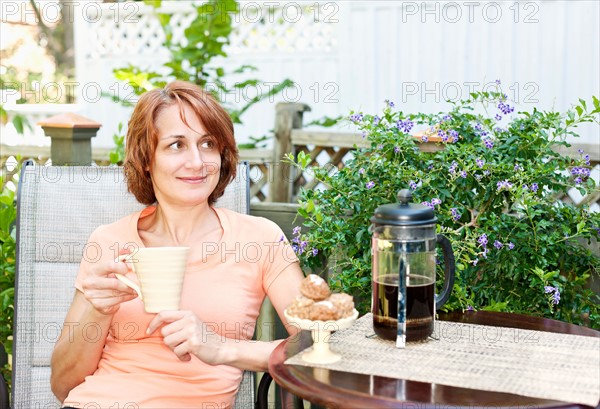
181	154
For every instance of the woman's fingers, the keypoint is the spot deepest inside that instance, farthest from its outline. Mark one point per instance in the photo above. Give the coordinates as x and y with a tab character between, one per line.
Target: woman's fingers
164	317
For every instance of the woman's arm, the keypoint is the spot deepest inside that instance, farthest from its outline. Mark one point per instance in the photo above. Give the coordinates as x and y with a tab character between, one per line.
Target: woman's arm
185	334
75	356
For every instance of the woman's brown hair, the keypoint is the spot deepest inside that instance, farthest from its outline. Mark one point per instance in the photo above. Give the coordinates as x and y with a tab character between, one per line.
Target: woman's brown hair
142	136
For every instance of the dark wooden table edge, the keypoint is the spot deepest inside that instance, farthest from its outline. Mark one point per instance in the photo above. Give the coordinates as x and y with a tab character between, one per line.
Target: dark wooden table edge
310	392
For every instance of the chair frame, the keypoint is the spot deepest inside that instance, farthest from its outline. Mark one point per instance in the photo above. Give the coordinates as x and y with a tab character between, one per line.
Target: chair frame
260	396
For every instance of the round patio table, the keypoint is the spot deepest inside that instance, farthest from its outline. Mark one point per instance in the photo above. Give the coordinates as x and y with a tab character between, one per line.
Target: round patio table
336	389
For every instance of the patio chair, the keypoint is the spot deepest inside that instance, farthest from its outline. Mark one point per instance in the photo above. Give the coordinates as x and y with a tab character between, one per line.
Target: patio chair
58	208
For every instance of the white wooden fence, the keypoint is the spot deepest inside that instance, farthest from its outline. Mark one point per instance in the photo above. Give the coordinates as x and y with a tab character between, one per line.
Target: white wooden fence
347	55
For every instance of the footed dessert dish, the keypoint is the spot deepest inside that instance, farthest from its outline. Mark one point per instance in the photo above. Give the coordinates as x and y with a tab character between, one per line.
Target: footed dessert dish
321	312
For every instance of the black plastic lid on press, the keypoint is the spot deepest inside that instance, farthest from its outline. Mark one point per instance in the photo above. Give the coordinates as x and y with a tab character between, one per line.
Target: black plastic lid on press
403	213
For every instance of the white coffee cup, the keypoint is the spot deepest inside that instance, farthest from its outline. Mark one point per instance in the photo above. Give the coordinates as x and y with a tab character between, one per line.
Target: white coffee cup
160	271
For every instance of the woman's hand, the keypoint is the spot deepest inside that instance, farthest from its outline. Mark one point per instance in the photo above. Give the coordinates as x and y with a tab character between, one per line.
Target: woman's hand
103	290
185	334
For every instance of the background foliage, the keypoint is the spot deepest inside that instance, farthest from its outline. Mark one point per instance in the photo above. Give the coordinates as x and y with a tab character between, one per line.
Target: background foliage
494	188
196	60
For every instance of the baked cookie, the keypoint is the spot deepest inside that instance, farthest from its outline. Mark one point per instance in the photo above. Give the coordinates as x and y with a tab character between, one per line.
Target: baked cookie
300	307
343	303
324	311
315	288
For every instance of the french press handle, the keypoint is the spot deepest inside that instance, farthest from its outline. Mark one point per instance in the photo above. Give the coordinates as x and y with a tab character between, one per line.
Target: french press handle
449	271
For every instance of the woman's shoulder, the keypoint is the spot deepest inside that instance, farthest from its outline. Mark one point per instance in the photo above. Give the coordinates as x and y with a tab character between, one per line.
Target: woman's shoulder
246	223
120	227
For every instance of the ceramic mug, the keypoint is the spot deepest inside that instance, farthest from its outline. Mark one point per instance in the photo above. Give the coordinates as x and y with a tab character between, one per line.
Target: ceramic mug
160	272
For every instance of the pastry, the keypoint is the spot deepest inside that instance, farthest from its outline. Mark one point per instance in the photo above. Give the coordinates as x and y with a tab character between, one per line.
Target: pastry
315	288
318	304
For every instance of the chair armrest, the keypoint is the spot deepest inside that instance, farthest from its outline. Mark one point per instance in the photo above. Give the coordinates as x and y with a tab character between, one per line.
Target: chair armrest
262	394
3	393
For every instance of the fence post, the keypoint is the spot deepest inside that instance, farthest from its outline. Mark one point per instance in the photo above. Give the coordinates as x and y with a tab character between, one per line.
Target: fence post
71	138
288	116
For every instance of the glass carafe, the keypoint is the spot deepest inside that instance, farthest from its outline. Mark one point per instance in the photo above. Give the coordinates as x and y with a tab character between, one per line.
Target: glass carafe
404	270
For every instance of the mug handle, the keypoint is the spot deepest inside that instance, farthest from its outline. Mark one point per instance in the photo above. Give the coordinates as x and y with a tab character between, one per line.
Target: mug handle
128	282
449	270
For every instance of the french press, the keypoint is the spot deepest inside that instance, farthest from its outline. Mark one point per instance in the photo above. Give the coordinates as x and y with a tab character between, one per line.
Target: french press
403	268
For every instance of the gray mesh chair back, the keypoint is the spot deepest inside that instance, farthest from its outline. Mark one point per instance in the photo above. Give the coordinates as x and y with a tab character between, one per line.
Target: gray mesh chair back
58	208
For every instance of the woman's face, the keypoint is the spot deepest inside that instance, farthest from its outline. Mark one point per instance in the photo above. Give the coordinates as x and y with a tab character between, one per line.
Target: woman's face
186	163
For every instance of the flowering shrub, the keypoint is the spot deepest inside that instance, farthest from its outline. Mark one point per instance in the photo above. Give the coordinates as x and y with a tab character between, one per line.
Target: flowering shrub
494	188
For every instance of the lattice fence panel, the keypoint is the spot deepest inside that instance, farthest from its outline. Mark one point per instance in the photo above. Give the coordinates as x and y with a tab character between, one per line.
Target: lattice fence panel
259	177
323	156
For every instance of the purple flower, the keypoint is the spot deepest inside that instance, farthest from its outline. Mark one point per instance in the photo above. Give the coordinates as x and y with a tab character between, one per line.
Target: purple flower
435	201
488	143
498	117
480	162
446	118
587	160
581	171
517	168
396	149
356	117
580	151
470	308
474	262
361	171
315	252
413	185
511	245
555	294
370	184
498	245
430	205
405	126
303	245
296	230
534	187
455	214
483	240
282	238
454	135
503	185
453	166
389	103
478	127
498	82
364	134
376	120
578	180
463	174
505	108
442	134
424	138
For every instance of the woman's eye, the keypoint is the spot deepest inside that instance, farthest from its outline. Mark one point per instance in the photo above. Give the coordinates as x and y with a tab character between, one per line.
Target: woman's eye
207	145
176	145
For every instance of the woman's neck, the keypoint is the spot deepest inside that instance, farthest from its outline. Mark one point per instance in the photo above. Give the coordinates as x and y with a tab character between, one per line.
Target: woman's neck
176	226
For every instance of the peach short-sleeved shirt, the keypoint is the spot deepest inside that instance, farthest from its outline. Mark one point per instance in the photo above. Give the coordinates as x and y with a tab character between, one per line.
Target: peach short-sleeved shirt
225	284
